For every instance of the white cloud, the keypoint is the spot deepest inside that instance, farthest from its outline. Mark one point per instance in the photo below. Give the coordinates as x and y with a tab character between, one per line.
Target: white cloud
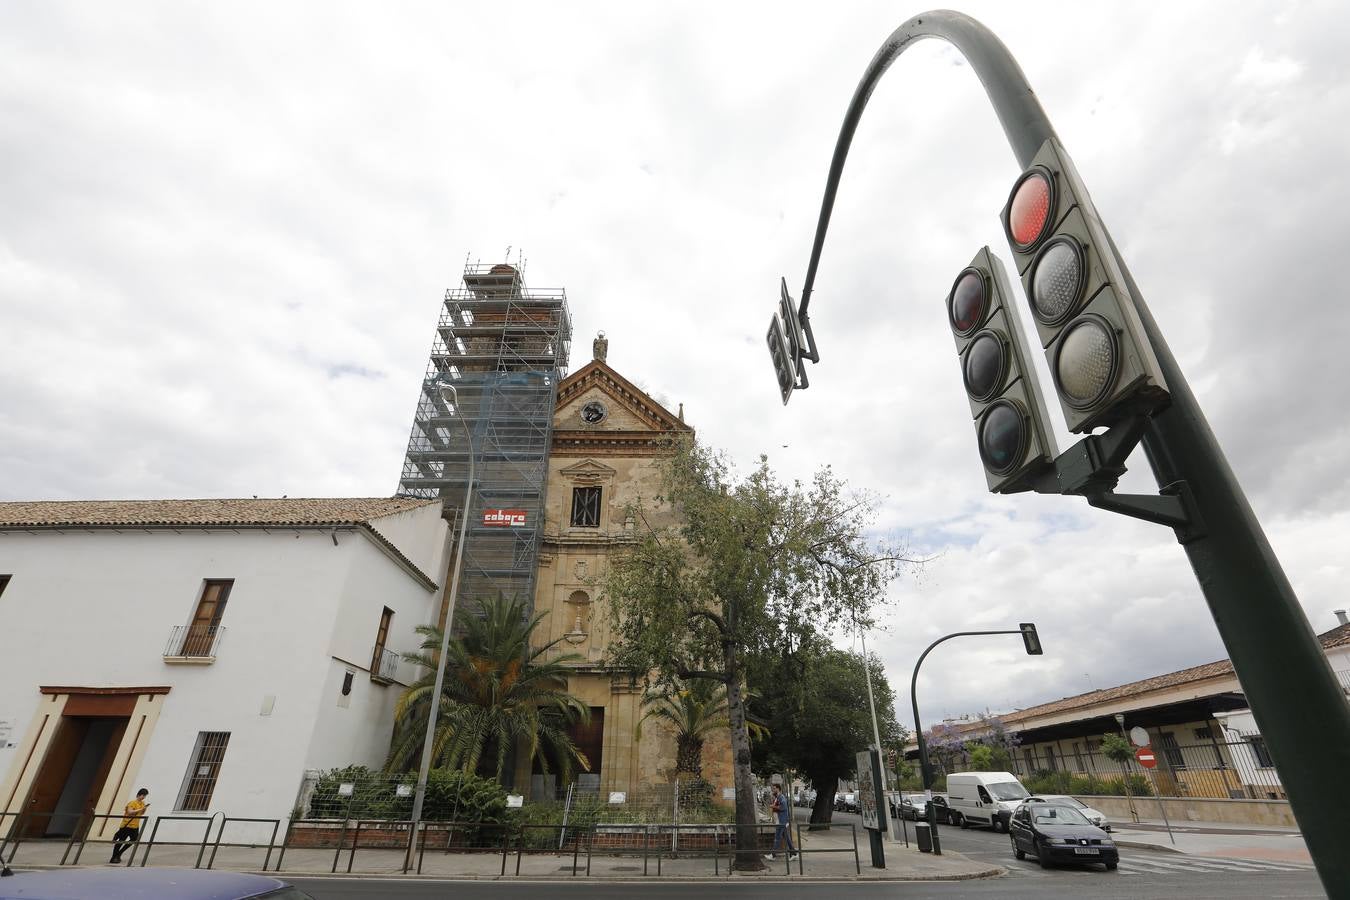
227	230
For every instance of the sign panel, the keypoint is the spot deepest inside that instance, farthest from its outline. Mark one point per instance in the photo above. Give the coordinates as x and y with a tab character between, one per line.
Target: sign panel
617	796
869	791
345	789
1146	757
403	790
728	793
515	801
1138	736
504	518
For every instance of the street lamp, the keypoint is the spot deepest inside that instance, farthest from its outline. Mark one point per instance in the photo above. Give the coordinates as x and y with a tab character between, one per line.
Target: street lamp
1120	721
1030	639
450	397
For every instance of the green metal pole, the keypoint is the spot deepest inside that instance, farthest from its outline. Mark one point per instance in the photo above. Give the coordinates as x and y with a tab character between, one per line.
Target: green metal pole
1290	687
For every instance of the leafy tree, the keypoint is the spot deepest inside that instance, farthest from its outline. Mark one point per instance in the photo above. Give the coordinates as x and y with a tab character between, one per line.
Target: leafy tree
1116	748
499	693
693	711
816	708
981	757
746	566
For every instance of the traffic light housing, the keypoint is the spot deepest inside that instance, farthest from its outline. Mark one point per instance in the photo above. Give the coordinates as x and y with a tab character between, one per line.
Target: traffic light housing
788	342
1031	639
1101	362
1012	426
784	366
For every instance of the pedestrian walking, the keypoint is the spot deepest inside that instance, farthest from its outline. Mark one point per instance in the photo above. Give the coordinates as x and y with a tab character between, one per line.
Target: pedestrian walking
130	832
782	816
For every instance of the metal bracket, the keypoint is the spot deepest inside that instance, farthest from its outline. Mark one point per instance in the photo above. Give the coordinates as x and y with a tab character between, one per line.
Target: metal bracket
1092	468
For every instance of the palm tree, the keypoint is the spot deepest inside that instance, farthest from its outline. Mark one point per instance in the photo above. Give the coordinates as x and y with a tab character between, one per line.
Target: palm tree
499	693
694	710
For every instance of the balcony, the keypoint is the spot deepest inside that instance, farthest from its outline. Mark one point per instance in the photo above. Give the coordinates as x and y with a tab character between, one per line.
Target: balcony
193	644
383	665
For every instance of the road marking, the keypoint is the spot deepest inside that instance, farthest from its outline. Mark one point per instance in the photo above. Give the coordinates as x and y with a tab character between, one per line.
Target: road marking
1209	865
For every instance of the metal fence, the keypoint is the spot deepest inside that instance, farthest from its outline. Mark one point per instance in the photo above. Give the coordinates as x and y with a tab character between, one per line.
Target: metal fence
1232	769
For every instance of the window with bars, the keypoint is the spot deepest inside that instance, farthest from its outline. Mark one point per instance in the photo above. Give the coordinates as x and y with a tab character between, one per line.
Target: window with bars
203	771
586	507
1262	752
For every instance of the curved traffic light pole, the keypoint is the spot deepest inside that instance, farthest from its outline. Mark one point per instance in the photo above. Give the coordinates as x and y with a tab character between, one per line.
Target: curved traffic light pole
1293	693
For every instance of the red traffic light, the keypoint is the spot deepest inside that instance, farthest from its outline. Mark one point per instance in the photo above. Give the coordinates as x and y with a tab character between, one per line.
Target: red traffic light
968	302
1028	216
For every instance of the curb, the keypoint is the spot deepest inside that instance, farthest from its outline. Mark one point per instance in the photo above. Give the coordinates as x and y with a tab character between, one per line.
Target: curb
1144	845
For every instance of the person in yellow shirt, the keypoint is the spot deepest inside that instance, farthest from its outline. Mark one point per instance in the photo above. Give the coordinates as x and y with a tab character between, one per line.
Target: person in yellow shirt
130	832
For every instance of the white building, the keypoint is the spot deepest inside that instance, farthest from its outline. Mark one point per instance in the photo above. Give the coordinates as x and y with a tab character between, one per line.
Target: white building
208	650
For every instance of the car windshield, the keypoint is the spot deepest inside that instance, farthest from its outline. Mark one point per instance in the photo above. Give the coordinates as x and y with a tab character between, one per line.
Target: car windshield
1060	815
1008	790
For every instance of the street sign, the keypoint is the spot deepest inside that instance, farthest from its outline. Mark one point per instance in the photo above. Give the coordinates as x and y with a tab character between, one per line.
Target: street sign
1138	736
1145	757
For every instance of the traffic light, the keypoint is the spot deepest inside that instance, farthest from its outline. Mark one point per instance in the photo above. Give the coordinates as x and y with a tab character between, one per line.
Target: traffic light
1012	426
1031	639
784	365
1100	360
787	344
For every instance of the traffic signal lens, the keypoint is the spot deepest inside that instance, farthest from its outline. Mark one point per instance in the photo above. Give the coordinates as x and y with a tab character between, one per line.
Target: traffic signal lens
1029	212
1086	363
968	302
1003	435
986	363
1057	280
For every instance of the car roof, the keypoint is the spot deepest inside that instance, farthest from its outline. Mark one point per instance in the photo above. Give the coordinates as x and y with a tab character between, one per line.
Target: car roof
135	884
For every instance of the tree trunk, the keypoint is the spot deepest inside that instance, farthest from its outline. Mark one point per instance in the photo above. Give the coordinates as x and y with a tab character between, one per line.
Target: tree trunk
822	811
747	834
689	755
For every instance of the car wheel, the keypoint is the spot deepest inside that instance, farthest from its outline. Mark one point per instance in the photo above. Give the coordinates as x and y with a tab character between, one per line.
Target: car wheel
965	823
1018	852
995	824
1041	855
1111	867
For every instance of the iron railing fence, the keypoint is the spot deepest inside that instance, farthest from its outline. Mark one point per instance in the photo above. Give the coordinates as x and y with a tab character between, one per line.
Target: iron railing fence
1213	768
193	641
384	664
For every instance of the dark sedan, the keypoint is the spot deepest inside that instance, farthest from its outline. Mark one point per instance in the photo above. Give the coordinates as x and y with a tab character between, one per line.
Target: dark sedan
137	884
1055	833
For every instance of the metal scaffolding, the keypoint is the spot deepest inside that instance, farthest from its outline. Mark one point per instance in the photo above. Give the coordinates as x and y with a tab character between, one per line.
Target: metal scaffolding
504	348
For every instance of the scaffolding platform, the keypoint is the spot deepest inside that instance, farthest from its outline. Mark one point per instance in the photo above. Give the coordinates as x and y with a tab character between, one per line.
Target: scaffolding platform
504	348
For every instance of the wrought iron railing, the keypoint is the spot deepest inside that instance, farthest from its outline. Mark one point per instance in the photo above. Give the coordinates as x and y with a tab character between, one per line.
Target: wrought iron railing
384	664
197	642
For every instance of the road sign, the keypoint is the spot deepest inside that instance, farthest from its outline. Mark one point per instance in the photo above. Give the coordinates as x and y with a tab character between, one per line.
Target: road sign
1145	757
1138	736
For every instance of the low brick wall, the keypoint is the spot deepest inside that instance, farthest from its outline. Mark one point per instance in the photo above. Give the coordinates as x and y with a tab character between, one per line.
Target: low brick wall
374	836
1198	809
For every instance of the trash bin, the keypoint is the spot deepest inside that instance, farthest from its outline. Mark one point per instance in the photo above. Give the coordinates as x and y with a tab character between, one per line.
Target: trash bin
923	837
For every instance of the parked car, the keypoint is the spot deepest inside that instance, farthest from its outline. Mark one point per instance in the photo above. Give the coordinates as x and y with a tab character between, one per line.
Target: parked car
136	884
941	813
1096	817
1057	833
913	806
846	802
984	798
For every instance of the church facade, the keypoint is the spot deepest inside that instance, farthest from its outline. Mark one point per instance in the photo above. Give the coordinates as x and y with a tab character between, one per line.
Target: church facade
605	468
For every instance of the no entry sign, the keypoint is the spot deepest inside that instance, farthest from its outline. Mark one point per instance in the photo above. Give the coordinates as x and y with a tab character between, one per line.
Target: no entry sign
1146	757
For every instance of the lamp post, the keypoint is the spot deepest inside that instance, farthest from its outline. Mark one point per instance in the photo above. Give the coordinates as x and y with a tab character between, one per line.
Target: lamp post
876	736
449	395
1033	645
1120	721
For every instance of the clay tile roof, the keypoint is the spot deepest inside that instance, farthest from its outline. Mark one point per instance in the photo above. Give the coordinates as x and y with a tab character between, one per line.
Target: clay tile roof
1336	637
283	512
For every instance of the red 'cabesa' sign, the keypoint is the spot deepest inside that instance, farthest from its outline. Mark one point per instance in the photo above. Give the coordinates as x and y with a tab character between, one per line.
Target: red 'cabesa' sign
504	518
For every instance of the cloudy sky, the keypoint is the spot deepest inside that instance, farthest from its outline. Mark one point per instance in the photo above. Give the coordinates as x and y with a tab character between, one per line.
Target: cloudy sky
225	230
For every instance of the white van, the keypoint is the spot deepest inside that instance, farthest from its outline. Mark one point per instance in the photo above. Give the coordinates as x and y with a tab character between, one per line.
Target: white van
983	798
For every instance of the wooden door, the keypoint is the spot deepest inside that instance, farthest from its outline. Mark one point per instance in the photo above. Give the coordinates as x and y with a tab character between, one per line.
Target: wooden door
202	630
51	778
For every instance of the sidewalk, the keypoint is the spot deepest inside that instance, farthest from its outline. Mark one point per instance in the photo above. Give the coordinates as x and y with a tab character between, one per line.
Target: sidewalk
1256	842
903	864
